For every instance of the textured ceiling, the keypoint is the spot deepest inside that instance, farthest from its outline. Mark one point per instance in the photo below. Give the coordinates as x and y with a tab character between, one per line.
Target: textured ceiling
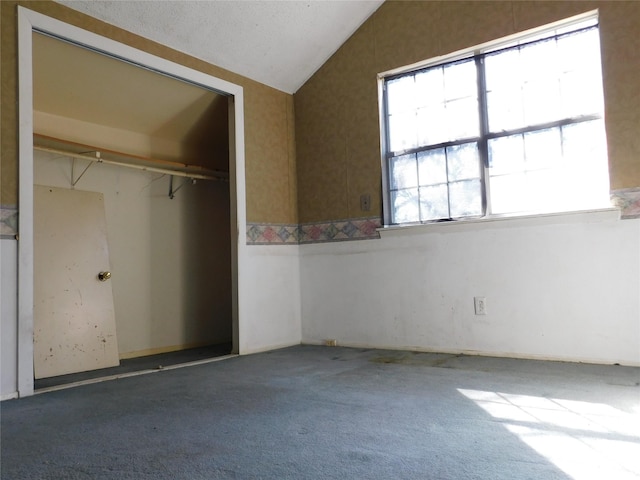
278	43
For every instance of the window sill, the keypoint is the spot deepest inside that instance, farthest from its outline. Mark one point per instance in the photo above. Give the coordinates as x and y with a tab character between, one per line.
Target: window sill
581	216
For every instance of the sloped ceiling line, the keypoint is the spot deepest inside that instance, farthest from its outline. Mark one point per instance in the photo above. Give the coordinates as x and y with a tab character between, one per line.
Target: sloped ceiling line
278	43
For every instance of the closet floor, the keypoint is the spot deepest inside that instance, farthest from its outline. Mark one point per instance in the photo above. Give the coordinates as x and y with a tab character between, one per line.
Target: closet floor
131	365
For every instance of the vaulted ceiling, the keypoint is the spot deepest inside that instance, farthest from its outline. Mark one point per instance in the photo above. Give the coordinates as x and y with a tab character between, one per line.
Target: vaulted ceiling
278	43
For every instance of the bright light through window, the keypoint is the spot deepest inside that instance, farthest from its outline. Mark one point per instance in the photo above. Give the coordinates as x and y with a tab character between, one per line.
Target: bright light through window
588	441
518	129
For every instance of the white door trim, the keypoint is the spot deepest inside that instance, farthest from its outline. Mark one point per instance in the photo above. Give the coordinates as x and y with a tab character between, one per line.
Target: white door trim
28	21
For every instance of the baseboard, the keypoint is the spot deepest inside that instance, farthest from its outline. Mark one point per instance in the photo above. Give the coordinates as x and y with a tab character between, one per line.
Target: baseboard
478	353
277	346
8	396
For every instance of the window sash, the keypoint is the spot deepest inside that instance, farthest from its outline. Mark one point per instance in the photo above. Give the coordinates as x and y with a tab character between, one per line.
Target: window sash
485	134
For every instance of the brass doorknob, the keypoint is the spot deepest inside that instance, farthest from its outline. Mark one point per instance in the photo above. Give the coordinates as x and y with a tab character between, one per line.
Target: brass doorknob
104	276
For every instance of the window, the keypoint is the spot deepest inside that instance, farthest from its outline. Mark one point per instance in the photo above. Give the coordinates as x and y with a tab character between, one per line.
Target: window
509	130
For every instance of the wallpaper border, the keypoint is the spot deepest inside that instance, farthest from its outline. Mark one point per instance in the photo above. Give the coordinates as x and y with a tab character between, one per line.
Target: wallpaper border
8	221
272	234
628	201
313	232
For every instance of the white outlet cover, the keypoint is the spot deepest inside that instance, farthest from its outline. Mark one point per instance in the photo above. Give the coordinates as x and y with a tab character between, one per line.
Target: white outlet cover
480	305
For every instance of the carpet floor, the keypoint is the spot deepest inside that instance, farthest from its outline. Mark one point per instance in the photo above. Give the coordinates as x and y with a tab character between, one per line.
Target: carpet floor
310	412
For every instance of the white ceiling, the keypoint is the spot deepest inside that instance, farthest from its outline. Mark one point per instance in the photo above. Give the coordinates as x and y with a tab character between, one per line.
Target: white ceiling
278	43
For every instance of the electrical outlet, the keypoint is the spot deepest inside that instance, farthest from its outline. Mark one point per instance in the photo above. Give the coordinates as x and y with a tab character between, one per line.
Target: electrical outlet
330	342
480	305
365	202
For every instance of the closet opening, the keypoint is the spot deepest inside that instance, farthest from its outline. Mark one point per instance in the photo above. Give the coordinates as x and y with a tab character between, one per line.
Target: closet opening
131	208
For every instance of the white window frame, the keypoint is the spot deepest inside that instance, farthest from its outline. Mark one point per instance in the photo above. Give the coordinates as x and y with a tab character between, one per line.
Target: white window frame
522	37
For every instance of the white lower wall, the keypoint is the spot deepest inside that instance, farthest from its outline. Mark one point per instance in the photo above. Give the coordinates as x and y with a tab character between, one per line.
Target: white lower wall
8	318
562	287
269	297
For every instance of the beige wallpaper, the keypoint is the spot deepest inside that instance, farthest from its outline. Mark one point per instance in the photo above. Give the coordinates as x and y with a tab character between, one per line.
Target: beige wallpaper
270	178
8	108
270	155
337	124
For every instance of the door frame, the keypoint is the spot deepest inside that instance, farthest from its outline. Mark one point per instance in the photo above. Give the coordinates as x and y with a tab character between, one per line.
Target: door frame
30	21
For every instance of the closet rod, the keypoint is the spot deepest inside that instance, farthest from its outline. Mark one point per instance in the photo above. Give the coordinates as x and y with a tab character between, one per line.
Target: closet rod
44	141
177	173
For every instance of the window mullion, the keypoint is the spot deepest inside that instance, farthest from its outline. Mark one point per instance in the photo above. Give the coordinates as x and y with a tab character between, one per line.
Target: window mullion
419	182
446	166
483	144
544	126
387	208
435	146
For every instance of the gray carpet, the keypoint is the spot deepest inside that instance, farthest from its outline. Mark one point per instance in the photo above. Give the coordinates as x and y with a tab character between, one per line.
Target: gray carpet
334	413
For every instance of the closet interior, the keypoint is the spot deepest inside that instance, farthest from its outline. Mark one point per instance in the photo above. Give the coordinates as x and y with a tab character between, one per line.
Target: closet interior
155	149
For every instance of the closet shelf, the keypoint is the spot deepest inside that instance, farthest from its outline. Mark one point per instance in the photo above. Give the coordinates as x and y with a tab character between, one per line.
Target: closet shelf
102	155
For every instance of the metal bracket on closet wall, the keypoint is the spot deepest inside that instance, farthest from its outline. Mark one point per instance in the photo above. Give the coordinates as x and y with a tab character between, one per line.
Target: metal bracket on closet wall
172	191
